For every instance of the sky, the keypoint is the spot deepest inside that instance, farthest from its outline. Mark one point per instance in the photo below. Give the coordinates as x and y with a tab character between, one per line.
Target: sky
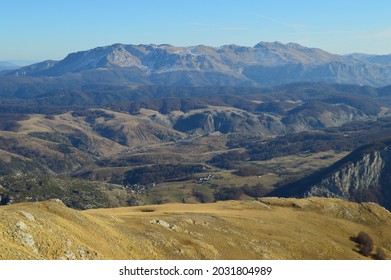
50	29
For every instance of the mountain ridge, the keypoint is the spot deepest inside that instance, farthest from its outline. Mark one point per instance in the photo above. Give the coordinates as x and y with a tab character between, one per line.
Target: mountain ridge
264	64
7	65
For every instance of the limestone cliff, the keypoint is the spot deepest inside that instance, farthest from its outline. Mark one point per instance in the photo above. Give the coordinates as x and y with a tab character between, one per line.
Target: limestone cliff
362	176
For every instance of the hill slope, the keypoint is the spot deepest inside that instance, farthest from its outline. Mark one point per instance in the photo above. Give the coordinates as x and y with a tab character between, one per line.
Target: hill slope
267	229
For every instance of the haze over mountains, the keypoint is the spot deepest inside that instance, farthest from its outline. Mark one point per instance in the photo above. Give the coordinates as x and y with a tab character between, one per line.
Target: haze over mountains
137	125
6	65
265	64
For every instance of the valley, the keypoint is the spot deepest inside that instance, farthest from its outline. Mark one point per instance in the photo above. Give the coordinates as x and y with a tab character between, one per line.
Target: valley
192	150
191	146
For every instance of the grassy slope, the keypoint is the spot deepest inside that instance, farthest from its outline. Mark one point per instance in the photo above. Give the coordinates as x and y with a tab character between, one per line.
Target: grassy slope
267	229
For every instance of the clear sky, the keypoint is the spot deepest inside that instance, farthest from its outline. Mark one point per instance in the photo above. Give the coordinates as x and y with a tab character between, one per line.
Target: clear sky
50	29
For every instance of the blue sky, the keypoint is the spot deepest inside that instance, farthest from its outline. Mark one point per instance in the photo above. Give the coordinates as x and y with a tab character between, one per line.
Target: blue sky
42	29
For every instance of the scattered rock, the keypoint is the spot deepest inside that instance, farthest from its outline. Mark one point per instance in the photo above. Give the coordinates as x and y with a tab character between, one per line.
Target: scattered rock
21	225
24	237
69	255
167	225
28	216
160	223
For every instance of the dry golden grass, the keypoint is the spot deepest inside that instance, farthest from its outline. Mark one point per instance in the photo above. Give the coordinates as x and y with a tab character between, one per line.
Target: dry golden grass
7	156
268	229
139	130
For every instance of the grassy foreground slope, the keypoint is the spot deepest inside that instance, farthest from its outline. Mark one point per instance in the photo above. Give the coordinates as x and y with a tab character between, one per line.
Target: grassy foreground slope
272	228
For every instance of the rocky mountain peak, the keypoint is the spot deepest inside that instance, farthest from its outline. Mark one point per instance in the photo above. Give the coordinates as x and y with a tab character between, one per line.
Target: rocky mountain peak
265	64
120	57
269	45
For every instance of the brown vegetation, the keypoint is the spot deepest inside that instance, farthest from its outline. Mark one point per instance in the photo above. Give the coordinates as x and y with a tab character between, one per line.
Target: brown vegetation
380	254
365	243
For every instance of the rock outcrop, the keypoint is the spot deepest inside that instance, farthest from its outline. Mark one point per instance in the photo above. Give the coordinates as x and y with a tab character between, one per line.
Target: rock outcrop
362	176
359	176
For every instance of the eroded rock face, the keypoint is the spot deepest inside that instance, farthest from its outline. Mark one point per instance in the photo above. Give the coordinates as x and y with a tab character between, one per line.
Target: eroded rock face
220	120
362	176
356	177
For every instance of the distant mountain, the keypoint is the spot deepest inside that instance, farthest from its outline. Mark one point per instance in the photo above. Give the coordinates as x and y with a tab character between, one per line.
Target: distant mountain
6	65
362	176
373	59
264	64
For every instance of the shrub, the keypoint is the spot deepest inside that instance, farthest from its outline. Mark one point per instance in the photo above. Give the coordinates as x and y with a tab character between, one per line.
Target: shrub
380	254
254	191
233	193
363	238
365	250
4	199
200	196
229	160
160	173
248	171
365	242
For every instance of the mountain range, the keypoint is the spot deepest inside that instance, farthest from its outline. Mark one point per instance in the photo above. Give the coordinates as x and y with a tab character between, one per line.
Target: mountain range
144	125
265	64
6	65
